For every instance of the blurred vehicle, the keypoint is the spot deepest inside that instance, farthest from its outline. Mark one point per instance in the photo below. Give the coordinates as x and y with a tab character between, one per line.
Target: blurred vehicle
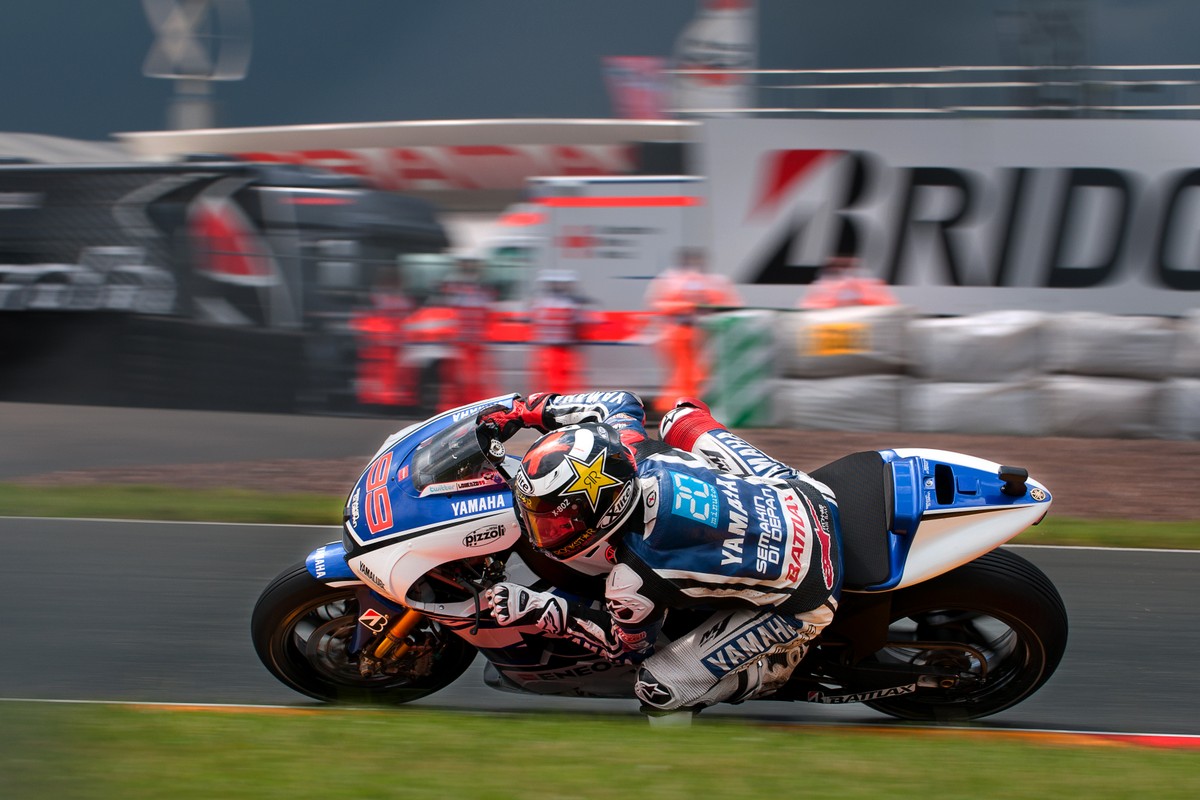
50	287
615	233
212	257
139	288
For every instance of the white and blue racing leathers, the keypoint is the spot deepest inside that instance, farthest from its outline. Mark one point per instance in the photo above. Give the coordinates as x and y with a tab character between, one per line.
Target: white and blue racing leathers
723	528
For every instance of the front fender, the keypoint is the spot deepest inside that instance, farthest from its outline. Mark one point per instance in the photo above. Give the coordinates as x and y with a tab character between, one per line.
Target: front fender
328	563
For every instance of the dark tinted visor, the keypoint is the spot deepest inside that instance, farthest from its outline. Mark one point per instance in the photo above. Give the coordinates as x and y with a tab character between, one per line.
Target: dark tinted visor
562	535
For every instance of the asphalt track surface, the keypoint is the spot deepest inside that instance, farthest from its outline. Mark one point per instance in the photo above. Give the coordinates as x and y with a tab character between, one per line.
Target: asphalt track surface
159	611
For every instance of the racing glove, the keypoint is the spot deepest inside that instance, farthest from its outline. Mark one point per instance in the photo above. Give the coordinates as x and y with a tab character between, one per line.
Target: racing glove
529	412
513	604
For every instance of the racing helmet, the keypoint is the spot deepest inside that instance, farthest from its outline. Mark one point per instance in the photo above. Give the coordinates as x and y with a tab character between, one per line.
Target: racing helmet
576	487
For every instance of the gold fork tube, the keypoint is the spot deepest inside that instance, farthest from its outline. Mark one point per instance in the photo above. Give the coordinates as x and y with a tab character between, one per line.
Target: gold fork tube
396	633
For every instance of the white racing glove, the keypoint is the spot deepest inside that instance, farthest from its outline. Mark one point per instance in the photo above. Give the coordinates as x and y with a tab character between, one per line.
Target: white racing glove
513	604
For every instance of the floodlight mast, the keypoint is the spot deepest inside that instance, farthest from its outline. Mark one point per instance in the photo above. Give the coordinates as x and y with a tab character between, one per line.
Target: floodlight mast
197	42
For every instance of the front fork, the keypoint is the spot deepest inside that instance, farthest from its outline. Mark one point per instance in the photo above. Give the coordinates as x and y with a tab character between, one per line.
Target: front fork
393	642
383	626
382	643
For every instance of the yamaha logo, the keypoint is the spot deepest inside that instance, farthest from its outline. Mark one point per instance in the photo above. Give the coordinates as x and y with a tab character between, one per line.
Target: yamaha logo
364	571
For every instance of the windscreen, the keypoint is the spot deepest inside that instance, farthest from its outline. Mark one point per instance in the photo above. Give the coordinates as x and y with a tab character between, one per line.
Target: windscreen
450	456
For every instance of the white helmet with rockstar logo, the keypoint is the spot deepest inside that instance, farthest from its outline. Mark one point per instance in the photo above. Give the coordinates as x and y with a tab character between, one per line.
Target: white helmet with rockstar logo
575	488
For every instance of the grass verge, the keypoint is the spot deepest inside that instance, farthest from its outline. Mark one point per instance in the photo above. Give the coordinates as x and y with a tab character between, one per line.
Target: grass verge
71	751
236	505
170	503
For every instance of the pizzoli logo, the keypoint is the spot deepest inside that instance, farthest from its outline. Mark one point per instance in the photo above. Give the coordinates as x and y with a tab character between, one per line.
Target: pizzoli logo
483	536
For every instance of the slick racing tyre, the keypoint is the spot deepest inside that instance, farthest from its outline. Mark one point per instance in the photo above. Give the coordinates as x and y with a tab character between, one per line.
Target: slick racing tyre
303	629
997	622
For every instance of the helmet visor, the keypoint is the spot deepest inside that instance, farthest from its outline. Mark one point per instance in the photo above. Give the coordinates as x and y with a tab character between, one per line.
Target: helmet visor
560	530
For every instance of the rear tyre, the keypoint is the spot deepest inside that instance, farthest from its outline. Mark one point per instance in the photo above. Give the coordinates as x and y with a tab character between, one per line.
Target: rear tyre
302	631
1009	621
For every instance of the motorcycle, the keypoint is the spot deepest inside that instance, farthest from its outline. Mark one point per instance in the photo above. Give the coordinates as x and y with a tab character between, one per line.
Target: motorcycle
935	622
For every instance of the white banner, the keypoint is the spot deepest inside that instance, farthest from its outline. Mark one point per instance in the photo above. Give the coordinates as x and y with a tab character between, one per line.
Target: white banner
963	216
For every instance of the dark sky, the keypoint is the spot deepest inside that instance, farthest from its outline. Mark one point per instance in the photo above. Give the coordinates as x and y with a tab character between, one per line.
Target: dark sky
74	68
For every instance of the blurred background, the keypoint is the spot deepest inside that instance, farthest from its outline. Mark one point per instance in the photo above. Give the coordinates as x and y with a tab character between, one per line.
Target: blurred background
870	215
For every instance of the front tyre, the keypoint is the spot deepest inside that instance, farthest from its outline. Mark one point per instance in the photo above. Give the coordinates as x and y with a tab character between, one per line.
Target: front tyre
302	631
997	621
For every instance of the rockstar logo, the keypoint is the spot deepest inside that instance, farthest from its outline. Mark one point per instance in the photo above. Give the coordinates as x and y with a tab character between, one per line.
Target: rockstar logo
591	478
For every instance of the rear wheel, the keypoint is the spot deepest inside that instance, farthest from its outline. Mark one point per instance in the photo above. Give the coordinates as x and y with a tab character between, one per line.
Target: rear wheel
302	631
997	623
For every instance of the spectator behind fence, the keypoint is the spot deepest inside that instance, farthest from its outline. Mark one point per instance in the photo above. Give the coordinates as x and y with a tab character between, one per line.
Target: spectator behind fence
467	375
383	375
841	283
679	296
557	320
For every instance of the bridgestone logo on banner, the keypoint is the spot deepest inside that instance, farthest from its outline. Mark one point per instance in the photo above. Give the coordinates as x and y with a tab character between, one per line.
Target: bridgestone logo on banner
963	215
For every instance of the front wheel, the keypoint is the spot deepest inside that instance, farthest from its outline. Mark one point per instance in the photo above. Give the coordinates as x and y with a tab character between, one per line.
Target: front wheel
302	631
997	622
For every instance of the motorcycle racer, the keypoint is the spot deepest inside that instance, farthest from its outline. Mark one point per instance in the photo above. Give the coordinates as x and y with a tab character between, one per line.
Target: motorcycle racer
700	519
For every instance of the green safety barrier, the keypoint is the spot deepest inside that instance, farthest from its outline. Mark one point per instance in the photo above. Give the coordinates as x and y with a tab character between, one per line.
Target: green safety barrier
740	349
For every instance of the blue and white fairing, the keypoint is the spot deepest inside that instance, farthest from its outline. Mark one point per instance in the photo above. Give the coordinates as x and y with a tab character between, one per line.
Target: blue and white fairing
949	509
426	500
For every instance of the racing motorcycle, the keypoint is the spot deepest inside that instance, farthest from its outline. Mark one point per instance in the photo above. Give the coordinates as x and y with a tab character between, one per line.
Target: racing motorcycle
935	622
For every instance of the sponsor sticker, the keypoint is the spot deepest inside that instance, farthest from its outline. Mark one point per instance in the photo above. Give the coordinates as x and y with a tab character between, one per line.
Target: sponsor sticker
319	562
483	536
747	644
479	505
365	571
373	621
837	339
619	507
590	478
860	697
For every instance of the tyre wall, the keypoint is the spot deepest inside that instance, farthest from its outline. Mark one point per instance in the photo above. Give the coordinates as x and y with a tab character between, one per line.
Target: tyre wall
1005	372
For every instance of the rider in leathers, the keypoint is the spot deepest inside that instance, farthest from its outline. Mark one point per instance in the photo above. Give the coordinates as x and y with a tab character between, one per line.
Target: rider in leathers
701	519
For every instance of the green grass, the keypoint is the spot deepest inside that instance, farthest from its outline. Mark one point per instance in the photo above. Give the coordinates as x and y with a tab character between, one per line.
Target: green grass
1114	533
235	505
131	753
160	502
100	752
